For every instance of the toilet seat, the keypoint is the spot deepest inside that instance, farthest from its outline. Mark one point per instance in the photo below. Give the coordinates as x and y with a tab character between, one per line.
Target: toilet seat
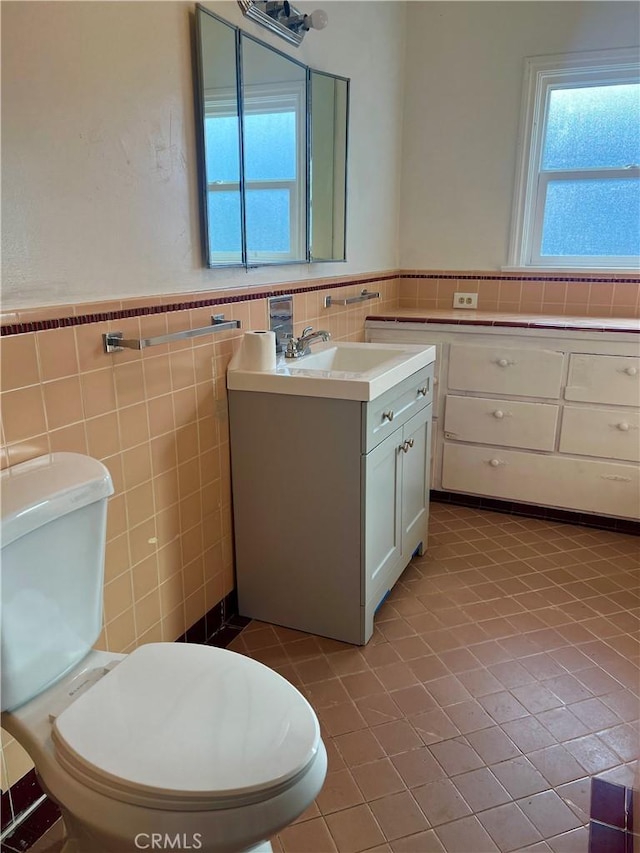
177	726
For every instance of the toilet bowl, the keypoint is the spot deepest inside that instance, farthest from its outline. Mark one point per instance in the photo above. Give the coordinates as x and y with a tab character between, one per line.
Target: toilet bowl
174	746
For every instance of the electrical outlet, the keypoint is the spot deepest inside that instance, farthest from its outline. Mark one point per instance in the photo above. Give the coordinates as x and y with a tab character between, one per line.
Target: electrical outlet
465	300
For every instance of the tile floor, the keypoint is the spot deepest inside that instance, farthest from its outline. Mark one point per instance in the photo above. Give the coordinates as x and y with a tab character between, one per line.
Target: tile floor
503	674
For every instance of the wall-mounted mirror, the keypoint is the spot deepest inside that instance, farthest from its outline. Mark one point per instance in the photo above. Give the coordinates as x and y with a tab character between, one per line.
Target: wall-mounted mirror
273	143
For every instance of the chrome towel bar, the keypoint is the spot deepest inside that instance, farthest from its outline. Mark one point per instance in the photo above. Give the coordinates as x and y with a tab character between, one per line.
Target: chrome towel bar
362	297
114	342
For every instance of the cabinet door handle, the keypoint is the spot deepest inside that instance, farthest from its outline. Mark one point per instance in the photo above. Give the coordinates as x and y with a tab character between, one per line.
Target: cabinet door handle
410	442
502	362
387	416
498	414
631	371
496	462
404	447
422	392
623	426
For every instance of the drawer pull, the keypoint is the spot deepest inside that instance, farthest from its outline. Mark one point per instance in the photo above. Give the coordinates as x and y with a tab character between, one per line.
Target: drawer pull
503	362
631	371
422	392
387	416
498	414
496	462
623	426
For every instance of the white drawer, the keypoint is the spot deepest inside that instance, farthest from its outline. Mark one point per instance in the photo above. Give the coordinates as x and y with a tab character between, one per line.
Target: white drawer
612	433
607	488
611	379
506	370
504	422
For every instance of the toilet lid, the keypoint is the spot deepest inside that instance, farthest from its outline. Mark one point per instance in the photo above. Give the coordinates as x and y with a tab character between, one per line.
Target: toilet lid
188	727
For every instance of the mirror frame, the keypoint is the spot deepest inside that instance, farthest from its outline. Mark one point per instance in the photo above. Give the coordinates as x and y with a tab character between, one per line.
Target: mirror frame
239	35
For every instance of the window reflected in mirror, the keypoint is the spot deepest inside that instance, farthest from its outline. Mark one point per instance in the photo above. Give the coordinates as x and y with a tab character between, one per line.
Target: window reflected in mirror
221	142
274	109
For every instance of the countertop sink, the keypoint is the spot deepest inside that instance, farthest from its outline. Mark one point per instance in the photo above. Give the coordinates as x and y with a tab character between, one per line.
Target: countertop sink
341	370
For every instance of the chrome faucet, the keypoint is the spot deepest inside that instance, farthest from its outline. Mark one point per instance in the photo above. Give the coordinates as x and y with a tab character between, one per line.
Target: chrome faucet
298	347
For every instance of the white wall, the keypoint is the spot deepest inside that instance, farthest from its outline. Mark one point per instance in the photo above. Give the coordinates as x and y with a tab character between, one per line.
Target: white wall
462	107
99	189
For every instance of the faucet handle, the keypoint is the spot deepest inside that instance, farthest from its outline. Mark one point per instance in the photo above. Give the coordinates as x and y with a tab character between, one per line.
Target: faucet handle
306	331
292	348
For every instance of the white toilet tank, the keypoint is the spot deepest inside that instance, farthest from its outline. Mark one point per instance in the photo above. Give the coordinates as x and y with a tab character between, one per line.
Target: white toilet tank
53	530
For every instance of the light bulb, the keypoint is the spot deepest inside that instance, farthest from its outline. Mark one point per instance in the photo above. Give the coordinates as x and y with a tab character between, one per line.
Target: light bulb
318	19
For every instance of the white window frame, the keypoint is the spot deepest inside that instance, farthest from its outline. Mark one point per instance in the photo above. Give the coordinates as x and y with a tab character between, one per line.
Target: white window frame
542	75
283	97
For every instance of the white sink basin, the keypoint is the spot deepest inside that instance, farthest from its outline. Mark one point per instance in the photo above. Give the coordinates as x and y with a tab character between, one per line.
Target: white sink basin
344	371
346	359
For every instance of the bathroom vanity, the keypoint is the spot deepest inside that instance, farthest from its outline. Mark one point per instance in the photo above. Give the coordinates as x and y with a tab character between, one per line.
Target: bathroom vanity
330	493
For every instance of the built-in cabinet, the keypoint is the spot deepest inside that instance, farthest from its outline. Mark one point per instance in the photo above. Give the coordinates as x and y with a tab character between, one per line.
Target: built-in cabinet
330	501
528	415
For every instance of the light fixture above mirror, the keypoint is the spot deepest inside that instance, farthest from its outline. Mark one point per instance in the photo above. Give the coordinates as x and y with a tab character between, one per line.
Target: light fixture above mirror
284	19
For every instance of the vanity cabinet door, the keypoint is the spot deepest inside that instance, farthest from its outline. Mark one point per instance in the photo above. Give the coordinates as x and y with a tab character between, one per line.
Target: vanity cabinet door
415	481
396	504
382	512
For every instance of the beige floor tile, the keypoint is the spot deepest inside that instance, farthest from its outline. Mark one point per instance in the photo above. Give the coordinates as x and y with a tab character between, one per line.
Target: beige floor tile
456	756
396	737
338	792
312	836
378	779
399	815
359	747
549	814
519	777
417	767
481	789
465	835
441	802
493	745
355	829
509	827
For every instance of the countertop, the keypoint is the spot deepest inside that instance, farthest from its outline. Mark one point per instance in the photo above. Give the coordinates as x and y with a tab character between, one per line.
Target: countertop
464	317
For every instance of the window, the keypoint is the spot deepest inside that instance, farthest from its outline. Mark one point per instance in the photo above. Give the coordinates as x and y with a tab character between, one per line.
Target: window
274	177
577	202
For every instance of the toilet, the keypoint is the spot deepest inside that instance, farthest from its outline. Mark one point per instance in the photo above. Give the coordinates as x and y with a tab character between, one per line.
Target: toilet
174	746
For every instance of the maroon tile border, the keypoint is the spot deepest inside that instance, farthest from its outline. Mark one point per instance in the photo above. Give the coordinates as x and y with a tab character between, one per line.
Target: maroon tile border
516	276
573	325
611	824
609	803
566	516
218	627
143	311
